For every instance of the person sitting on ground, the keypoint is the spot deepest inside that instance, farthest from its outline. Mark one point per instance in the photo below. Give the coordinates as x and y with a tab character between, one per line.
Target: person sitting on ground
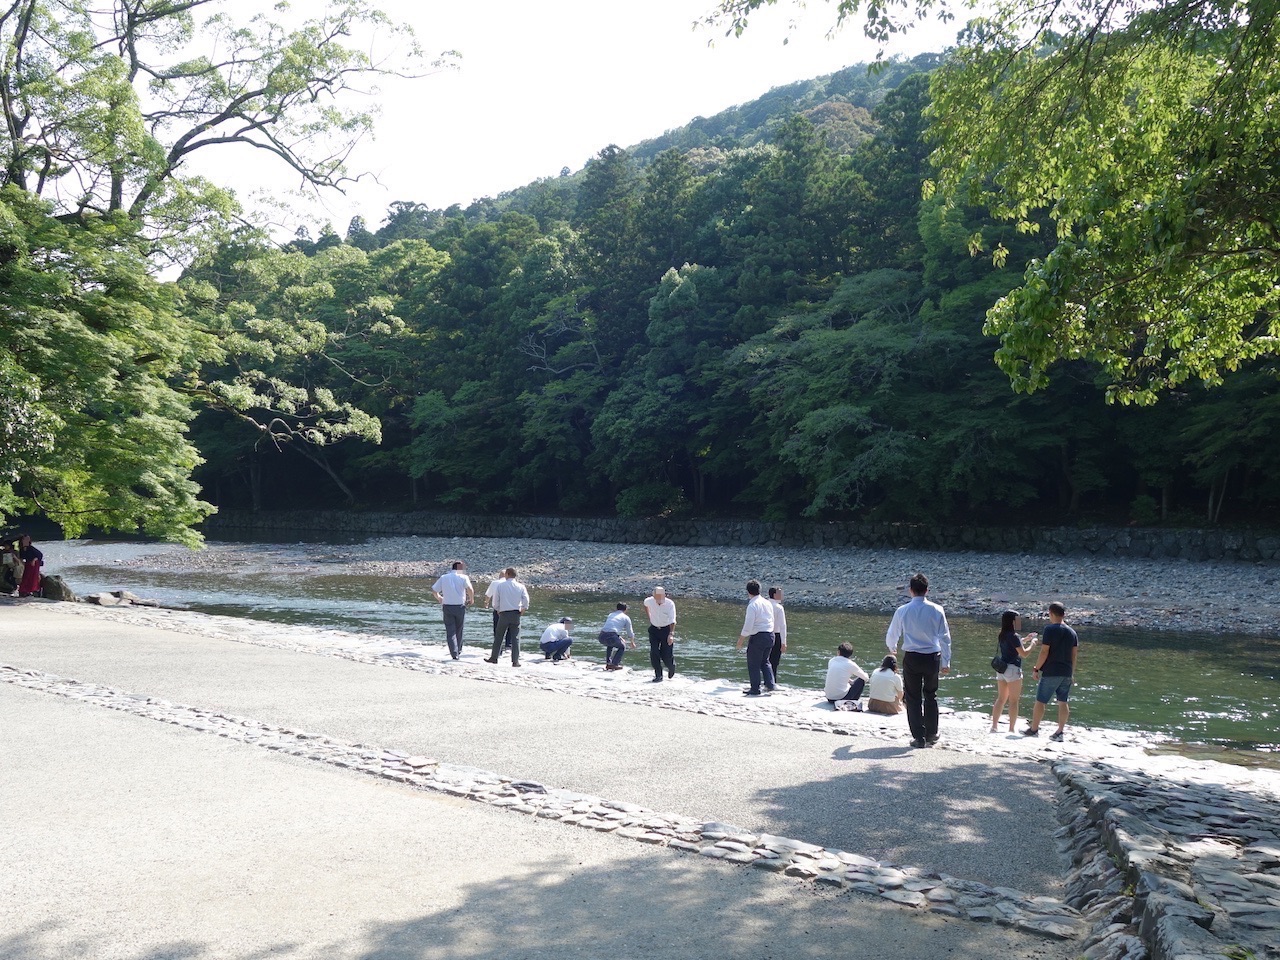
884	692
1009	683
845	679
617	629
556	641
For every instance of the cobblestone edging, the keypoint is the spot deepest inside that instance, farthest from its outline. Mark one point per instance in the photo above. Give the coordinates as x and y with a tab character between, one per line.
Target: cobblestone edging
836	869
1249	545
1183	869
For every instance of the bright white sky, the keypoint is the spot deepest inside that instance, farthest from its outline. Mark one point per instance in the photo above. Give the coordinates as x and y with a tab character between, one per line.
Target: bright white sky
547	85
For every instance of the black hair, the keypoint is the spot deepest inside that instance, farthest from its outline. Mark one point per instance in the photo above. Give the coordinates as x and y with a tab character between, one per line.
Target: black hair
889	663
753	587
1007	618
845	649
919	584
620	606
773	592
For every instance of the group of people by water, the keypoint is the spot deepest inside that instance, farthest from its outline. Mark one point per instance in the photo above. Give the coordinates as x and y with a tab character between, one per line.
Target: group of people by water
20	563
919	626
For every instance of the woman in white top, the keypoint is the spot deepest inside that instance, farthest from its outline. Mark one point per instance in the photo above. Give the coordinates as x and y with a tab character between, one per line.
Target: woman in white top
885	692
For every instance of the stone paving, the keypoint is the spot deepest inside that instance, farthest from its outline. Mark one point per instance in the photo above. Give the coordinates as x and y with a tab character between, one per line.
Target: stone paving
909	886
1171	858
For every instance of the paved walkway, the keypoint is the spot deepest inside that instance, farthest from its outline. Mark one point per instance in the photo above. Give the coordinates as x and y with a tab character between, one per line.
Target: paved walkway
236	853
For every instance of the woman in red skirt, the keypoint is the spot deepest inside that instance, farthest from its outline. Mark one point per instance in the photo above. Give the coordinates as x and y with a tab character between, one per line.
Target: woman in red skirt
33	559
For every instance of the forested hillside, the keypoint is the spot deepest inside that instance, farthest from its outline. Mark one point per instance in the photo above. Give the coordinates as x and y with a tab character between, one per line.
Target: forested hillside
758	314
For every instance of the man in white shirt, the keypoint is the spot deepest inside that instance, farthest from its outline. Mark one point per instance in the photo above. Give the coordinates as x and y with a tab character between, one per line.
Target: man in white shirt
454	593
921	625
510	600
845	679
779	630
662	633
556	640
757	634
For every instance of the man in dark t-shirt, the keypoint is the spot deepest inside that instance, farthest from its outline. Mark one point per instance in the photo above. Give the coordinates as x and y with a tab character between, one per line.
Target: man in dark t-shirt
1056	668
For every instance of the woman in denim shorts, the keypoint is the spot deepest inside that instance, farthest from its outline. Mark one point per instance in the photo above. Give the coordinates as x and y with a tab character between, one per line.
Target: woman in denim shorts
1009	683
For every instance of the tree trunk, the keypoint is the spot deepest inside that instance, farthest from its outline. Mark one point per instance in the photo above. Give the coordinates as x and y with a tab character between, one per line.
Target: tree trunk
323	464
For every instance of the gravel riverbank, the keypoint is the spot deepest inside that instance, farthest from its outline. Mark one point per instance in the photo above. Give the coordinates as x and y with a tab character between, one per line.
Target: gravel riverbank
1174	595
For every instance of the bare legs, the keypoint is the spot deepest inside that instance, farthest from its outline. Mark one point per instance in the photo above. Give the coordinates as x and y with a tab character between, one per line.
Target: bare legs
1009	692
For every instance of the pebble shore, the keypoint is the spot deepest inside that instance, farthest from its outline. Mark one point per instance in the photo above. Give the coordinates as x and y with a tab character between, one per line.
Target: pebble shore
1173	595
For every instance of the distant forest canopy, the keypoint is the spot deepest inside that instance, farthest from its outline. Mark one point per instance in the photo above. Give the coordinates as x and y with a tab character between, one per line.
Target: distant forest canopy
758	314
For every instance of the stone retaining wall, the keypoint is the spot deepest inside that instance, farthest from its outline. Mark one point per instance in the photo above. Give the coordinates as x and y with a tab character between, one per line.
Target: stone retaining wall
1091	541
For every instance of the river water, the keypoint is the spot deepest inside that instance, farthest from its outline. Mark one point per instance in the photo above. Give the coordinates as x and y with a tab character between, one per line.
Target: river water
1199	688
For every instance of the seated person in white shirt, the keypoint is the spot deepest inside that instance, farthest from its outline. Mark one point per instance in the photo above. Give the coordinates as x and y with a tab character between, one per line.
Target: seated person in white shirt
885	692
556	641
845	679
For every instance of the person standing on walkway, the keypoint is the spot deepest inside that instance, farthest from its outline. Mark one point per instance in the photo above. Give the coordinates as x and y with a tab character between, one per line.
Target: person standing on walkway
1055	670
921	626
32	560
510	600
615	634
454	593
662	633
779	630
757	634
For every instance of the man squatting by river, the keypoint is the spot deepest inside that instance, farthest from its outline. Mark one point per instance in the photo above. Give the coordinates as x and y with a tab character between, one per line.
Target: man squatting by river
455	593
510	599
921	625
662	629
757	634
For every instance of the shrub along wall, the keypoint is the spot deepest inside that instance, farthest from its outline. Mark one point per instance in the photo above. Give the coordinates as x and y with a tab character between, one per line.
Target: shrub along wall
1098	541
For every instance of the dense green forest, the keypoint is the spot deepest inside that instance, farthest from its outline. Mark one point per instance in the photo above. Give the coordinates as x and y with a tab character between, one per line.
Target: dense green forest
762	314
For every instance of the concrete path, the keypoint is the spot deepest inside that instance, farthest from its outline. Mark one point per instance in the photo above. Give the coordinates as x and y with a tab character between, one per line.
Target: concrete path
131	839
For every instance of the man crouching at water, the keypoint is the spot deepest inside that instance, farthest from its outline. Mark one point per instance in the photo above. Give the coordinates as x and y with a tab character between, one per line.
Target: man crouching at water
921	625
757	634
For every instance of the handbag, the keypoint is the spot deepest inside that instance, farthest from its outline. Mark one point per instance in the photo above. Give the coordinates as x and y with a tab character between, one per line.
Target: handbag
998	664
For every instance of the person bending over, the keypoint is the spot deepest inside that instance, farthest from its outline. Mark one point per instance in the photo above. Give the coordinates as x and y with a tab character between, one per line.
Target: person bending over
556	640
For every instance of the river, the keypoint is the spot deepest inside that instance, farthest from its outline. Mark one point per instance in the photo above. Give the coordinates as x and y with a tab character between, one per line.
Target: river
1198	688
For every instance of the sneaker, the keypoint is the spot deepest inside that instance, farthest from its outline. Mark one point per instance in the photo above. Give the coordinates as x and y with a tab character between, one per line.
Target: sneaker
917	744
1056	737
931	740
1029	732
770	687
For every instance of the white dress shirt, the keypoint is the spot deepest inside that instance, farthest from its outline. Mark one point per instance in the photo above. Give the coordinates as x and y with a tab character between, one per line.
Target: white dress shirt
922	627
759	617
509	595
840	673
779	620
453	586
661	614
553	633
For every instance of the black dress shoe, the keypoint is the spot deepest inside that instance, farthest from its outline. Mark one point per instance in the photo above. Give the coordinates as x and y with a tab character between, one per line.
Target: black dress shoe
917	744
490	660
671	673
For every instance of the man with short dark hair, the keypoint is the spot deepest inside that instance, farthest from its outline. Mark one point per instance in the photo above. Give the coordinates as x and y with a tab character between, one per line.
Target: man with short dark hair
1055	670
921	625
510	599
557	640
662	629
845	679
455	593
757	634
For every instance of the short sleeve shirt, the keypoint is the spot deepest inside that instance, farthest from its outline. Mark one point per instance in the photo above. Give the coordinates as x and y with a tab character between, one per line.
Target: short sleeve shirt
1060	641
